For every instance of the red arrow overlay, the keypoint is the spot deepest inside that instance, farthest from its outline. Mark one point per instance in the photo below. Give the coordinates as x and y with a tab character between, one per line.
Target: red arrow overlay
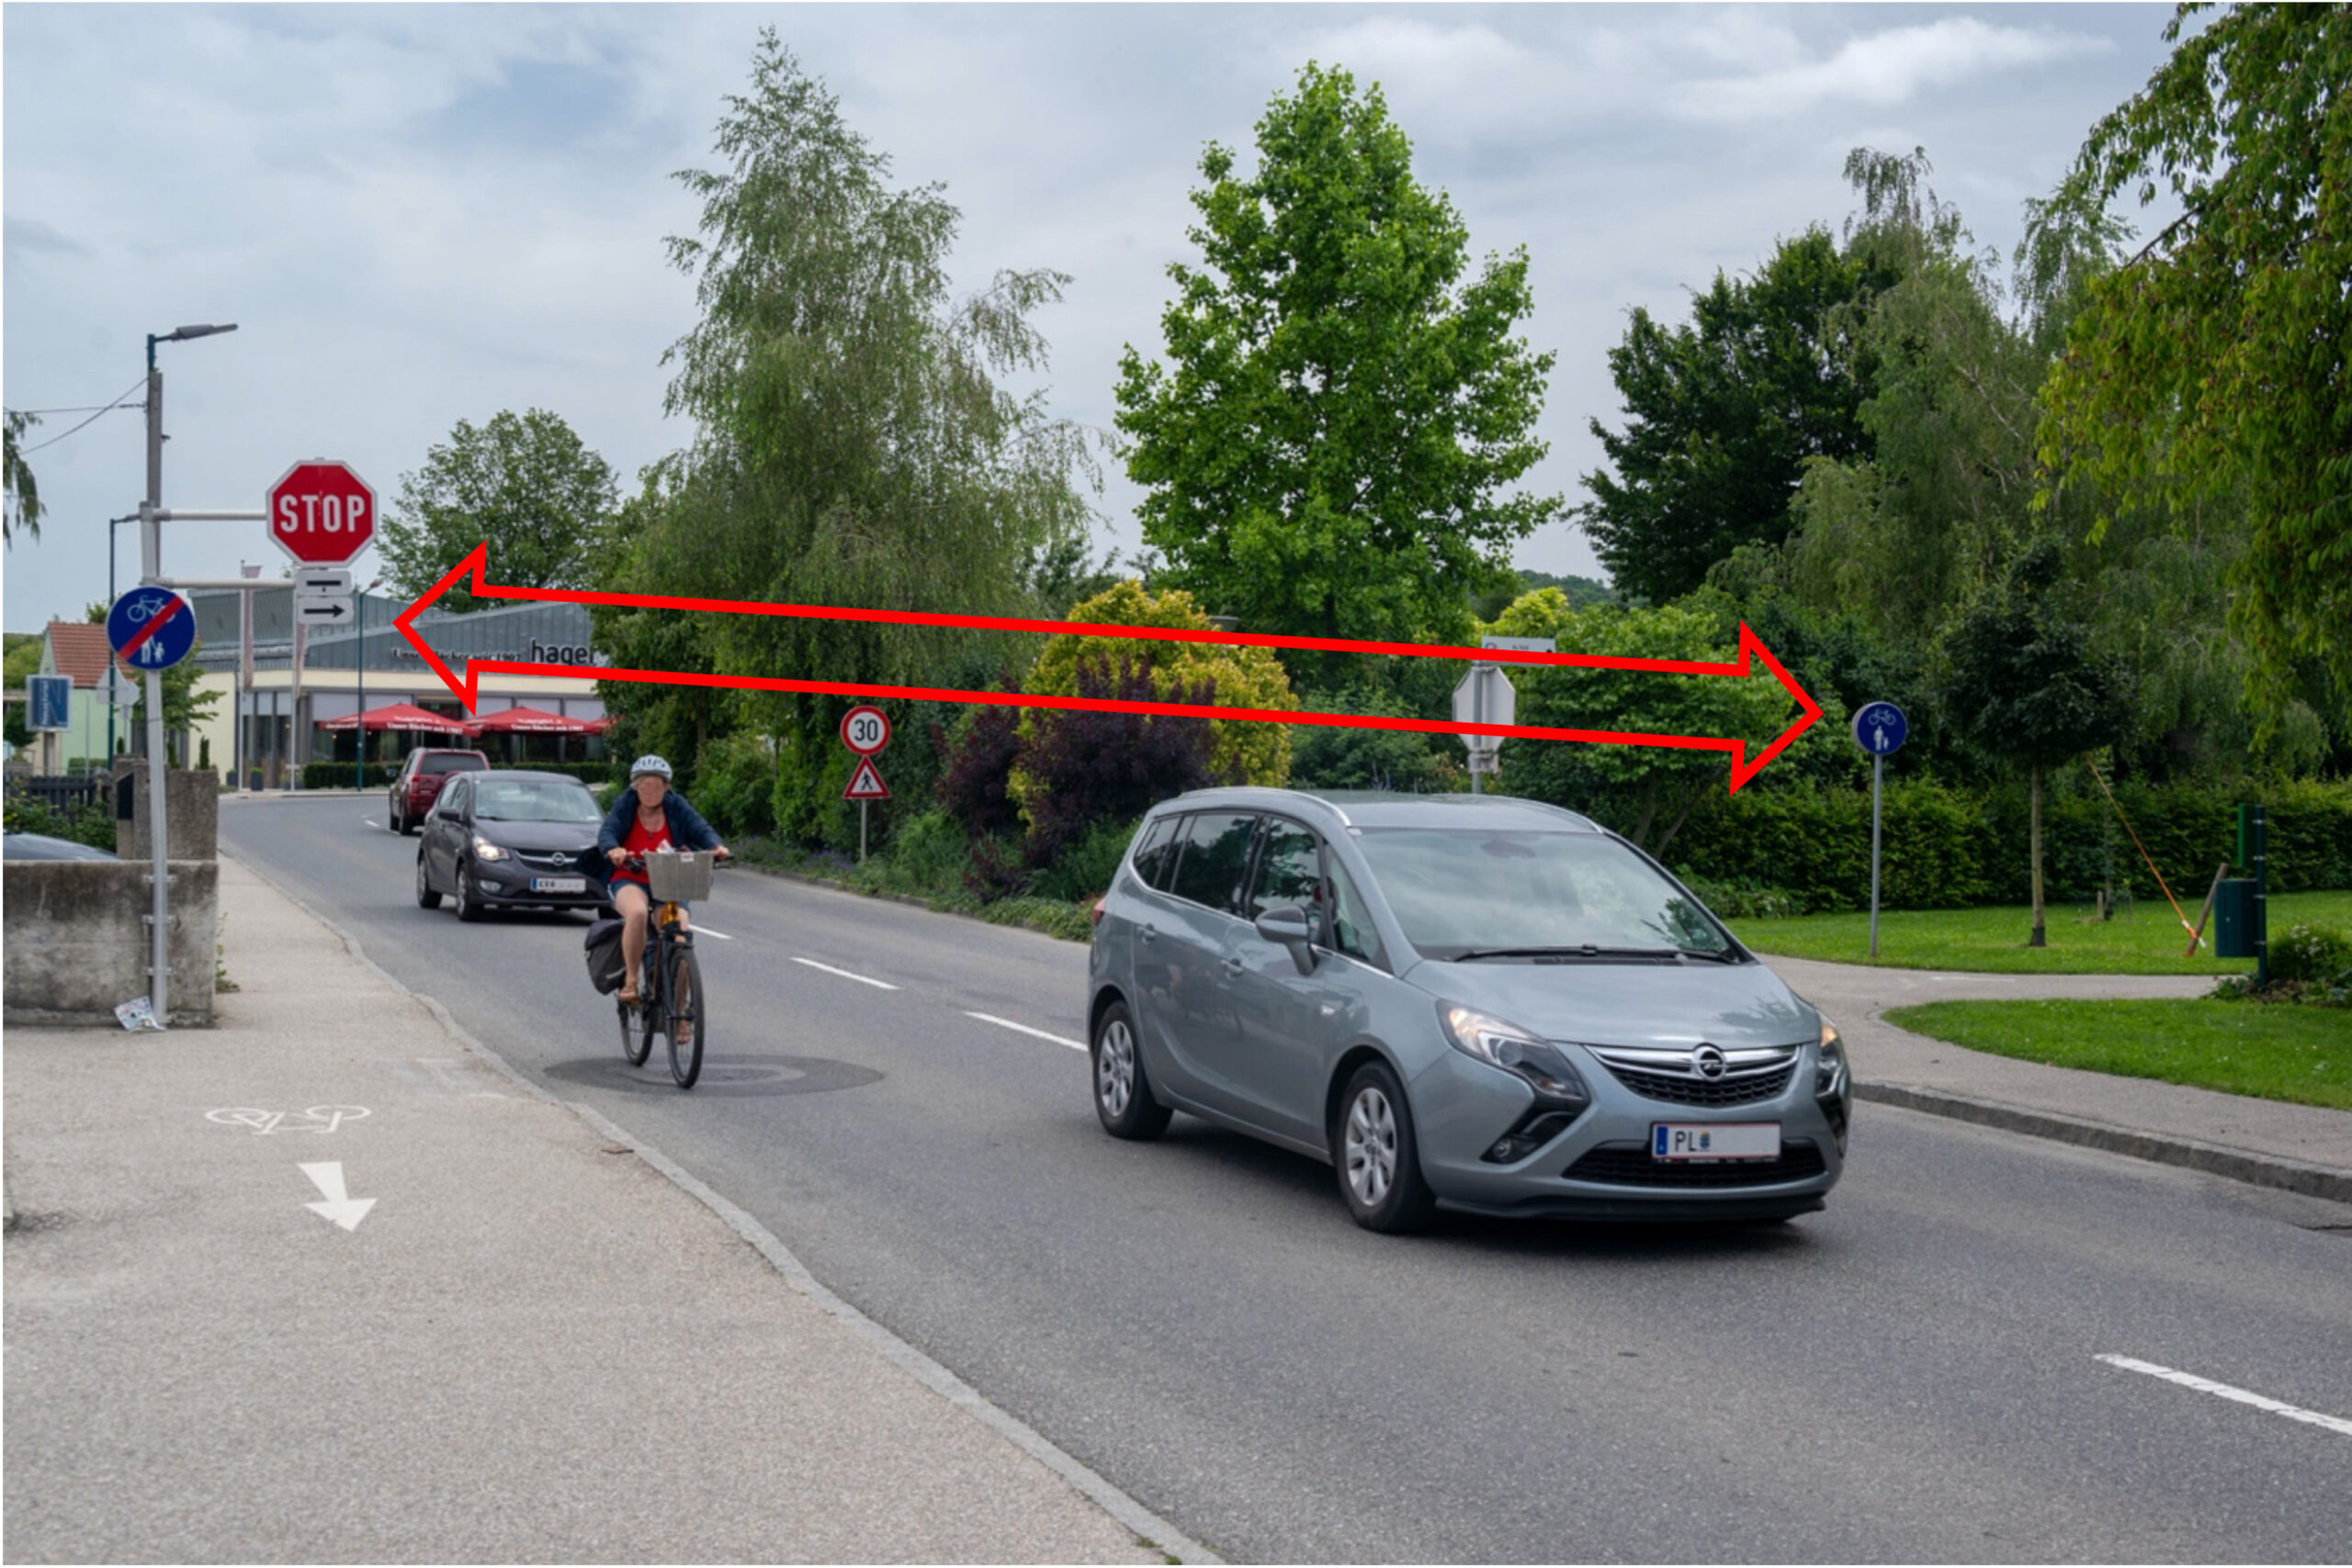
477	561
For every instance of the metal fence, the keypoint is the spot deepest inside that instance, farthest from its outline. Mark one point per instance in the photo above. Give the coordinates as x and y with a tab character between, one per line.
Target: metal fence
62	792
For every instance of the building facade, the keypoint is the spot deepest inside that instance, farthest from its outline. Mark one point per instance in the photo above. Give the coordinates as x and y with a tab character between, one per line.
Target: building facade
263	729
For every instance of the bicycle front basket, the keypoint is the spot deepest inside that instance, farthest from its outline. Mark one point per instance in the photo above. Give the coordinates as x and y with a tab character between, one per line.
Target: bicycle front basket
676	877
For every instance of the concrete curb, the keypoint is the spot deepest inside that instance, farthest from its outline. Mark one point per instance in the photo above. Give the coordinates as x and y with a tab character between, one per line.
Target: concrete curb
1157	1532
2214	1159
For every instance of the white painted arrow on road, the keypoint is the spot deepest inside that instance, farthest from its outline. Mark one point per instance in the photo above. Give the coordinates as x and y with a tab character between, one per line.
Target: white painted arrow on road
343	1210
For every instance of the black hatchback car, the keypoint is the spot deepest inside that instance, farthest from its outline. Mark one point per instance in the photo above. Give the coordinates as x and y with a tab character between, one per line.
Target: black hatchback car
509	840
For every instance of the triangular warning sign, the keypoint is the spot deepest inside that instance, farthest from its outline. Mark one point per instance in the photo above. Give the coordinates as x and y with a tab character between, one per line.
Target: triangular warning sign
865	784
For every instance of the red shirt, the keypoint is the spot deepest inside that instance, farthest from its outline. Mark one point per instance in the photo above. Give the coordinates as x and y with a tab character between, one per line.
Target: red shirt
641	841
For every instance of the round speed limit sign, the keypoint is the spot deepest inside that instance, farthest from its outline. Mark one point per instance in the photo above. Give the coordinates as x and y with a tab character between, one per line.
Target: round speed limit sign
866	730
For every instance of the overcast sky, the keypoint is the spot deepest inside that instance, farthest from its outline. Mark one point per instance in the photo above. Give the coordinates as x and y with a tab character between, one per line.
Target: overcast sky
418	214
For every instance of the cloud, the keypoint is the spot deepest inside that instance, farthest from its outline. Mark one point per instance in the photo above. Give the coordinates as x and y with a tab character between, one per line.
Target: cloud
1881	70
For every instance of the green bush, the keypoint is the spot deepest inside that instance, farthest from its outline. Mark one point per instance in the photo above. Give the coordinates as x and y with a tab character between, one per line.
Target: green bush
92	824
734	783
338	775
2312	954
1083	870
1741	900
928	856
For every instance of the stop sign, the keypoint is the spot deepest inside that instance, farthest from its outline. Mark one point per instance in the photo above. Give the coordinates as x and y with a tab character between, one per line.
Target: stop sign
321	513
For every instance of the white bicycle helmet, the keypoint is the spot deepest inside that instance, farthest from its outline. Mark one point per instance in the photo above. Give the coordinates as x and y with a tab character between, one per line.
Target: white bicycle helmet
649	763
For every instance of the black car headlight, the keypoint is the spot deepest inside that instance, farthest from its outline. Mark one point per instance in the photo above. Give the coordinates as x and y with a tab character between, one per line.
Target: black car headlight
1503	1045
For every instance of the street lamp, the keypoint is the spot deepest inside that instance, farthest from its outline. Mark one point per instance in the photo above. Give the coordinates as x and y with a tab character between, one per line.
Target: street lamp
151	569
112	523
360	667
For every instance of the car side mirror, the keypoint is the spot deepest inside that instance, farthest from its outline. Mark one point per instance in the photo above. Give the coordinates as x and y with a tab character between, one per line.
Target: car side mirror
1289	926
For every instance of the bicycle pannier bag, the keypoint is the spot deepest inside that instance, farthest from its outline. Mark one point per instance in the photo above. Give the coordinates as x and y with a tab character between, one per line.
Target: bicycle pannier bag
604	947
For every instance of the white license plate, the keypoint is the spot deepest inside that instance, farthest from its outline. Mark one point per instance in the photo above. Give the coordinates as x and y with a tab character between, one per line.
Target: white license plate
1694	1141
559	885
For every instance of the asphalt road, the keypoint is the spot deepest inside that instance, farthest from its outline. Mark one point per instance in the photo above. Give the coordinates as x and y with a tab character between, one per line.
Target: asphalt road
1913	1375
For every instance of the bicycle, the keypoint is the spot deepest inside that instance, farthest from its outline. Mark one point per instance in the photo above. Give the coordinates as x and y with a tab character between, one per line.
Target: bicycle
670	994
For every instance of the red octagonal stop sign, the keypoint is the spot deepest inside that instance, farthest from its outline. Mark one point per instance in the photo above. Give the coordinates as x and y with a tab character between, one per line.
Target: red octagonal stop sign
321	513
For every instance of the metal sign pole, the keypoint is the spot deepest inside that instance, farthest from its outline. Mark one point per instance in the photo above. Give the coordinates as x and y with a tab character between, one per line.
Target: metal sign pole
151	567
1878	787
861	833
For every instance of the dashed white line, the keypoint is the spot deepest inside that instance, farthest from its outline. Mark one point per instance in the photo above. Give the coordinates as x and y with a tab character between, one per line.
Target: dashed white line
861	979
1024	1029
700	929
2337	1423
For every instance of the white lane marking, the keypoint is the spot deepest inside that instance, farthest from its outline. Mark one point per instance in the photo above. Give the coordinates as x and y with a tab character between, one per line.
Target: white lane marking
1024	1029
705	930
861	979
345	1211
371	821
2337	1423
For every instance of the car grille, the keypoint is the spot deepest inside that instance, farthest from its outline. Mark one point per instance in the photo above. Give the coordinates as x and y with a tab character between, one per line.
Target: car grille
567	860
1676	1088
1749	1076
1630	1165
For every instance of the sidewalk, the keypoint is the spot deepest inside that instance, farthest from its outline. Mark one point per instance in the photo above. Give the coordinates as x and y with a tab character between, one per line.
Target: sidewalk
538	1343
2302	1148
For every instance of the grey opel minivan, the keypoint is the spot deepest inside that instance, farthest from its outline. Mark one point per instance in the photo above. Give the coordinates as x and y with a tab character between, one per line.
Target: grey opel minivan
1459	1001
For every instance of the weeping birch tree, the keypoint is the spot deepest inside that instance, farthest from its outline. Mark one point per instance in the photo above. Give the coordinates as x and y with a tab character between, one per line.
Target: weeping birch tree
856	444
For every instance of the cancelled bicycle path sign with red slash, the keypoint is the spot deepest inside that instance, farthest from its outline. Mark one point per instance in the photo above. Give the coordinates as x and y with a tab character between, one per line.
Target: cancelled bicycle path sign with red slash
151	629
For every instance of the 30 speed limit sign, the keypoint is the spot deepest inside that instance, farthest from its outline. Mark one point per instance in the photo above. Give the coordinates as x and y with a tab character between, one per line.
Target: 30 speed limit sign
866	730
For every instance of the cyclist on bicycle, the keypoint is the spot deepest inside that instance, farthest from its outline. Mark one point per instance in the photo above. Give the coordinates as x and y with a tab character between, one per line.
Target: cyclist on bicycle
645	817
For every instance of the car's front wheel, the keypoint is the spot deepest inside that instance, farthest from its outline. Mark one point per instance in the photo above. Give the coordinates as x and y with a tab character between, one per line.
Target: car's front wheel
1379	1161
1123	1096
470	907
427	898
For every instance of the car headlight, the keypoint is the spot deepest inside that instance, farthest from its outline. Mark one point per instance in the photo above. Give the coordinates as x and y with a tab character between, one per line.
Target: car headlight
485	850
1829	1064
1503	1045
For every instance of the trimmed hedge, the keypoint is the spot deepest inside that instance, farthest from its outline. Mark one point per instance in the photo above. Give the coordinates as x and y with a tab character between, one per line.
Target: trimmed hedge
1946	848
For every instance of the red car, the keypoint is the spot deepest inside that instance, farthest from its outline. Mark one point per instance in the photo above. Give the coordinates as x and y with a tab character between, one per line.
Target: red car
420	782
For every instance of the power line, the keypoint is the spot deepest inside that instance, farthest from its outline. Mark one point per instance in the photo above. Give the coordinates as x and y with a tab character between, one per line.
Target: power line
85	407
93	419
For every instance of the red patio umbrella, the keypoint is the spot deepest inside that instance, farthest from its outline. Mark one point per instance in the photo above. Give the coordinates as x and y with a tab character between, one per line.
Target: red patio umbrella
528	721
396	716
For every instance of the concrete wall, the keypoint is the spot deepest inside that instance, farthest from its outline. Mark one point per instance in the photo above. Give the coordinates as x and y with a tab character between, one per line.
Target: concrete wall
191	812
77	945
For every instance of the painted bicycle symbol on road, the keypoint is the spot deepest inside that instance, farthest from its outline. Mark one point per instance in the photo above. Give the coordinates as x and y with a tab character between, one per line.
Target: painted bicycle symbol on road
317	1119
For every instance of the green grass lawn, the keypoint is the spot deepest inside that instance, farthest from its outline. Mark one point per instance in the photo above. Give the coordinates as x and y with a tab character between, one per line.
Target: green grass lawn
2146	940
2298	1053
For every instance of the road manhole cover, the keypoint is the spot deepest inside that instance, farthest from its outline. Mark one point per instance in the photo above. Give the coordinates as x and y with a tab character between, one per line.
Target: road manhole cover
725	1075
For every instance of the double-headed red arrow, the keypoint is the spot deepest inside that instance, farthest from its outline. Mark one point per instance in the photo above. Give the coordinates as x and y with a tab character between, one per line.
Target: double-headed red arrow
478	560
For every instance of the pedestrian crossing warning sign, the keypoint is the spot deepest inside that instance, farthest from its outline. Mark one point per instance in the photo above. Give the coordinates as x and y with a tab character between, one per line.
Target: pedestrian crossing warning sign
865	784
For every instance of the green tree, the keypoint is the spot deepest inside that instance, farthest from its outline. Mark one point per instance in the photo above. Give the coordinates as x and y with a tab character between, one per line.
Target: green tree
22	507
1325	448
2211	367
1723	412
1645	792
527	484
2023	680
854	446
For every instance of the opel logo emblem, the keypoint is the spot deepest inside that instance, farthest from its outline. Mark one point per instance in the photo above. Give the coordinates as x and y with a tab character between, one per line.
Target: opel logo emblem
1707	1061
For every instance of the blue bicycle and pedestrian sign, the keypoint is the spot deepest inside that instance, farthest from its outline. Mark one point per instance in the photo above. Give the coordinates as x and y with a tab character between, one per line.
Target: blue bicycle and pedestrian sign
152	628
1879	729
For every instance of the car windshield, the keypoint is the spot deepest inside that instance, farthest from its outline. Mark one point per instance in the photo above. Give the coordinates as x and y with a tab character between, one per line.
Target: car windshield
534	800
1507	894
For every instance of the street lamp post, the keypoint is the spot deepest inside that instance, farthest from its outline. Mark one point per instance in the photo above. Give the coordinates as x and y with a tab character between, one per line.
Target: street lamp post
112	523
151	569
360	668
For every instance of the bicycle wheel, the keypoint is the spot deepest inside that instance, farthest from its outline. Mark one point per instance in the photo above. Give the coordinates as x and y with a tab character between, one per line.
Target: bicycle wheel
683	993
636	1025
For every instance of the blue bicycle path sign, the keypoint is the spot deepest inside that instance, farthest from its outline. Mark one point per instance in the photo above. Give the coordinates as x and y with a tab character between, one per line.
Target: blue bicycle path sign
1879	729
151	627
